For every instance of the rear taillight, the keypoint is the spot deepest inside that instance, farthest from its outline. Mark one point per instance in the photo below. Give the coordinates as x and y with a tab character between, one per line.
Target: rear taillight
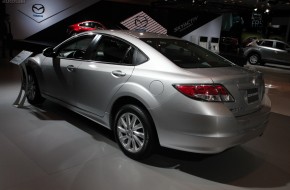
206	92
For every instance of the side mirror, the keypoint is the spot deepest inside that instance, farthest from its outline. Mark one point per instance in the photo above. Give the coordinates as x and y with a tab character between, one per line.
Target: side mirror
78	54
48	52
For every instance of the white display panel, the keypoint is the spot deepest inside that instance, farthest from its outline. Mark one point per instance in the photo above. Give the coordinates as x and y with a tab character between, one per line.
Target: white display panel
203	42
214	45
210	29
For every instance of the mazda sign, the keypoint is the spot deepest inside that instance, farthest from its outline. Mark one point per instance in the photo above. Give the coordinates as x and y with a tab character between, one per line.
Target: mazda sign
38	8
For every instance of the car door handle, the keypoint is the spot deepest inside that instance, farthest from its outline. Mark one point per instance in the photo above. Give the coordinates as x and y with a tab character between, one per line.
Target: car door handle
118	73
71	68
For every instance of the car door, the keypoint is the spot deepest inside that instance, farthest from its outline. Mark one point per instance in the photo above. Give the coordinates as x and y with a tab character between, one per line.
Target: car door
267	50
98	80
59	71
283	54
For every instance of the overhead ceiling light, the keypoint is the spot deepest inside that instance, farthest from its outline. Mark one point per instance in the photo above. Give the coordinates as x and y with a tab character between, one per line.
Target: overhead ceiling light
255	9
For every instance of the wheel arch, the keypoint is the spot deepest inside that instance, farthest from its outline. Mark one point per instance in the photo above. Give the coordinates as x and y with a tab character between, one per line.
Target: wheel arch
125	100
33	93
29	68
258	55
254	52
33	66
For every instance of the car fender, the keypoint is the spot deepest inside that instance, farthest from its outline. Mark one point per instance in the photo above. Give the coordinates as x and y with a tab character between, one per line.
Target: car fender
35	61
251	51
138	92
34	64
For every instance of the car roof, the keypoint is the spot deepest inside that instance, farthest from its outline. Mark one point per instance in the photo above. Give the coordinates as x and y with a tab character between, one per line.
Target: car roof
272	40
135	34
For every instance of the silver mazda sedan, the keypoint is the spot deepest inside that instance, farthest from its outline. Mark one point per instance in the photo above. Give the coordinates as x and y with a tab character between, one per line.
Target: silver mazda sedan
152	90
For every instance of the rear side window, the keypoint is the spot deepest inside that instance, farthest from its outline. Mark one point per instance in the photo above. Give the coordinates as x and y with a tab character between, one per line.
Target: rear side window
139	57
187	55
280	45
113	50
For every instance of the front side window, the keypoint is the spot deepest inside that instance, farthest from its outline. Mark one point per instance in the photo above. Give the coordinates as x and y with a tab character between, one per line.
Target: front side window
187	55
75	48
113	50
267	43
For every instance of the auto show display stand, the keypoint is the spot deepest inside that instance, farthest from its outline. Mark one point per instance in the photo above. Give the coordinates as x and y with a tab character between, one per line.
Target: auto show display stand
20	60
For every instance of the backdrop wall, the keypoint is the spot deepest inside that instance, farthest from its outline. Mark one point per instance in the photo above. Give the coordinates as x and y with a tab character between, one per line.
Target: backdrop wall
32	16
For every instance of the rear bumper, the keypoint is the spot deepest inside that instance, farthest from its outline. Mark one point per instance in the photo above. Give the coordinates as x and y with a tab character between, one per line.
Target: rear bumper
217	143
210	145
215	132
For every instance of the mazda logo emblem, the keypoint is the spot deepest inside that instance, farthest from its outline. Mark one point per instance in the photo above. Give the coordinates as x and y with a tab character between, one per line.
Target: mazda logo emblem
141	21
38	8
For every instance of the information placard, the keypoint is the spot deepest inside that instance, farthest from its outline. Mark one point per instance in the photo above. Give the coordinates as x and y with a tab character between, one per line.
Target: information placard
21	57
20	61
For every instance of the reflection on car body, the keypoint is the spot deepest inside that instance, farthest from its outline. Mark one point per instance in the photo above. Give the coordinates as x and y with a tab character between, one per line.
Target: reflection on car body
152	90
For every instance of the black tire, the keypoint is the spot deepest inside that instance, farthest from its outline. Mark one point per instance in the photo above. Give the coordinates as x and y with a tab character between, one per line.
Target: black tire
137	140
254	59
33	93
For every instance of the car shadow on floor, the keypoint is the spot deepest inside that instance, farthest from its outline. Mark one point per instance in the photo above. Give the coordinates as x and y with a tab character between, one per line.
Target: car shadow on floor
51	111
236	166
261	163
239	166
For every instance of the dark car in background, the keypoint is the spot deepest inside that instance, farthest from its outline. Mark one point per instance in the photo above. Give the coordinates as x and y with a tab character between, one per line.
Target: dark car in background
230	48
268	50
84	26
229	44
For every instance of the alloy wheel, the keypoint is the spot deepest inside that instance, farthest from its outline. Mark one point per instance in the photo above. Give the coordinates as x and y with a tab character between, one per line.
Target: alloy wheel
130	132
254	59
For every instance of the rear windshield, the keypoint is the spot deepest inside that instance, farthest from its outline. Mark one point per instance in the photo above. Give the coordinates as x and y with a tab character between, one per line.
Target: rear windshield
186	54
